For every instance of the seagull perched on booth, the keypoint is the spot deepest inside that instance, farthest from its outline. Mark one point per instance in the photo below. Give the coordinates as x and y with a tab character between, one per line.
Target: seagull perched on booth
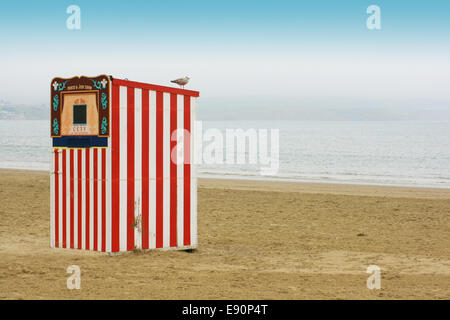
181	81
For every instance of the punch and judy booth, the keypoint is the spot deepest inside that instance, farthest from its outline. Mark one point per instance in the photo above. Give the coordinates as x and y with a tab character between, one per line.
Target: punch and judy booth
121	173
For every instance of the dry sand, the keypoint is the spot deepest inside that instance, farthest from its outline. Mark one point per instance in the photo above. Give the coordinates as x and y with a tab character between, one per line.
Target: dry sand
257	240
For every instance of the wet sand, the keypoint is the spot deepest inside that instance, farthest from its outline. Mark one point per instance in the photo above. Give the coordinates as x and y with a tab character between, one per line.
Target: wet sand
257	240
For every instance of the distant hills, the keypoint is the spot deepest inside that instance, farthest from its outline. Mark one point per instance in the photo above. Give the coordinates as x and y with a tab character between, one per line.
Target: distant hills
10	111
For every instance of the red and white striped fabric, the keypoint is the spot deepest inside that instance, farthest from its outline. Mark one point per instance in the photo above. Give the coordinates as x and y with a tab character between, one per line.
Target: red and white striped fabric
130	194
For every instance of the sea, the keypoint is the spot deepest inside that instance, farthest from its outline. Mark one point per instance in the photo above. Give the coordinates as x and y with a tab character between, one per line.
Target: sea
399	153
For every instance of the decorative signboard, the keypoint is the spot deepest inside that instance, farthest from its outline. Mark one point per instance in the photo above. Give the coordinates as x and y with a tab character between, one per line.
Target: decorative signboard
80	107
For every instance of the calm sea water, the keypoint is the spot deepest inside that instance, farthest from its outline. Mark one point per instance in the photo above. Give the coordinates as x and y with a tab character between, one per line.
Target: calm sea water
390	153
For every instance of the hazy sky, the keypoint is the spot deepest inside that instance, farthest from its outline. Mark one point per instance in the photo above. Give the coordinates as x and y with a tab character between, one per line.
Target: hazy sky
232	48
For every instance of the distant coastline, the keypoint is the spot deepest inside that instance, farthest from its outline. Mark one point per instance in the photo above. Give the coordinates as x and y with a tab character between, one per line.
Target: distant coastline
23	112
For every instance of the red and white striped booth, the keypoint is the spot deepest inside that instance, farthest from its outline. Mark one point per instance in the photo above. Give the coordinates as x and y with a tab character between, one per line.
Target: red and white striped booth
121	174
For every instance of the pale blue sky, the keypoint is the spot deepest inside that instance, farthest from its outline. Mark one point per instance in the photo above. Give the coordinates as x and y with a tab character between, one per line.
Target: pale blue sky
232	48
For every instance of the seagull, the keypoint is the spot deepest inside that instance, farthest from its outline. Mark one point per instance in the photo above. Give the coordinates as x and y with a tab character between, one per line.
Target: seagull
181	81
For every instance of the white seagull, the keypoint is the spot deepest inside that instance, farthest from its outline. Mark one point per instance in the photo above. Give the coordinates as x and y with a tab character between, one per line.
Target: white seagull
181	81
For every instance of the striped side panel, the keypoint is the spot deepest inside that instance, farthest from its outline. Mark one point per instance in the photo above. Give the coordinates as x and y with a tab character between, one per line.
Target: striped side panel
152	184
78	199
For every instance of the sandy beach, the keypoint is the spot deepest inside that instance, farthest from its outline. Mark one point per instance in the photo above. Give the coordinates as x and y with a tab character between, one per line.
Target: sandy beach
257	240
